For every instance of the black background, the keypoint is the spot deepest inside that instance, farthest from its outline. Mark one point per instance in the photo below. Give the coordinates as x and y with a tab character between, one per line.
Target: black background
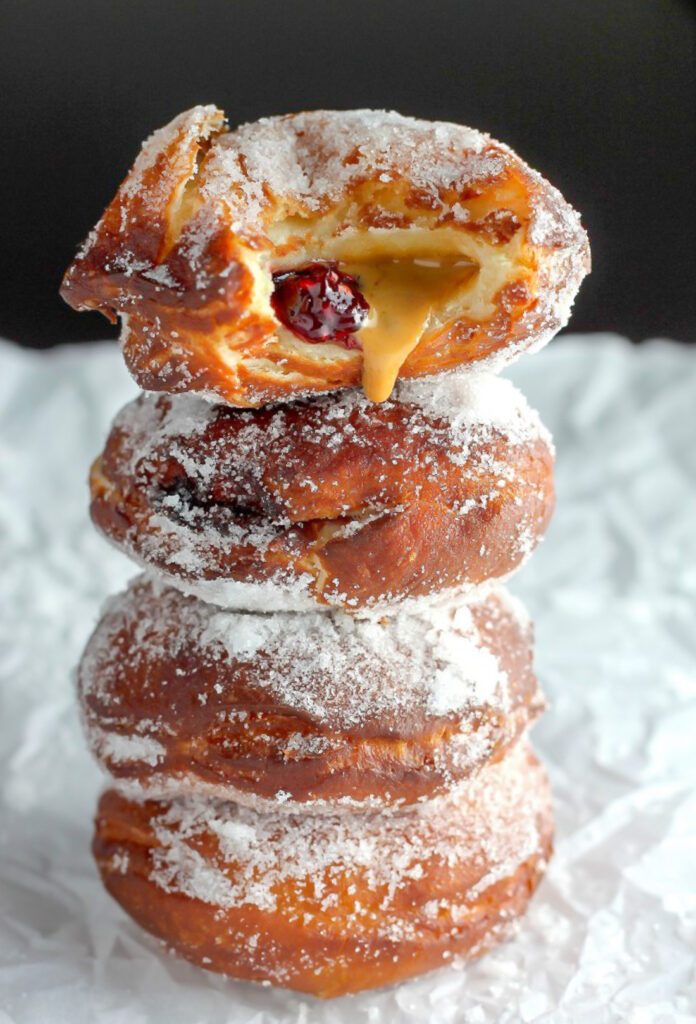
597	94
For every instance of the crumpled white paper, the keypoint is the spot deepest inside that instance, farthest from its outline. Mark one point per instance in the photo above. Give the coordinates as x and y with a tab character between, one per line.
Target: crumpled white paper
610	936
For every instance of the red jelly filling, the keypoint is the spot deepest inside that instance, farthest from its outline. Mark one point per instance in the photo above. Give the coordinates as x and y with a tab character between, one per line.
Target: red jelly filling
319	303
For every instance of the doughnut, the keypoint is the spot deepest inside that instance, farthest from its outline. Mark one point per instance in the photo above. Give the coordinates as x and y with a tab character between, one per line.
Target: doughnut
178	696
316	251
332	500
330	904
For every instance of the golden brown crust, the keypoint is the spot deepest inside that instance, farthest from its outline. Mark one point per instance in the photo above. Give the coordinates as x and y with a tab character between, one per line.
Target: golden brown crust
178	697
333	501
186	250
332	905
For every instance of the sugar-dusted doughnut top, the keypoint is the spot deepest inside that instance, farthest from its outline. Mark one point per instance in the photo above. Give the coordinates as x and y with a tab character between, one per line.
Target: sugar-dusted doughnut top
463	253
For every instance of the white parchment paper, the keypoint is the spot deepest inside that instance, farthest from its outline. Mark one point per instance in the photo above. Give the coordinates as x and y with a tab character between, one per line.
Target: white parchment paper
611	935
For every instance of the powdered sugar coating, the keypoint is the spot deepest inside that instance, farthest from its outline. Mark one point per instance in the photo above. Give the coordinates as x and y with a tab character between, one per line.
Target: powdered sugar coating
233	506
318	156
313	707
335	904
326	667
493	821
198	123
117	748
458	409
472	404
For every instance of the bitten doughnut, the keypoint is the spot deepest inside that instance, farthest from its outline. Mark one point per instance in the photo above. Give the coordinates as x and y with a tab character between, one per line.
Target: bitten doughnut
330	904
180	697
314	251
333	500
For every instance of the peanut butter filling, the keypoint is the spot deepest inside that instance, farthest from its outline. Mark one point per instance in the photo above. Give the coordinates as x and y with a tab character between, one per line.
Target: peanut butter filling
402	294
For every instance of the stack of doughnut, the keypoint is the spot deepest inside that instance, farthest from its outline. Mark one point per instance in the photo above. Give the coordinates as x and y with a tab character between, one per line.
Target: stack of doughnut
313	704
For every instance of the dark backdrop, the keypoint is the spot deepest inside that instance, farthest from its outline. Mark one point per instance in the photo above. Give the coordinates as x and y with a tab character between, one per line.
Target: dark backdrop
597	94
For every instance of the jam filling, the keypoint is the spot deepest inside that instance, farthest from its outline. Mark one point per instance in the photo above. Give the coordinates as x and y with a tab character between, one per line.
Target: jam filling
320	303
